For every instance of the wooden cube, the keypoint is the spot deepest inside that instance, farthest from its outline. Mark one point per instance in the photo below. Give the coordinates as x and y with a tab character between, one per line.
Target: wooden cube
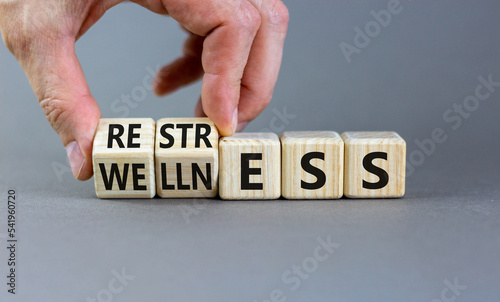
312	165
123	158
187	158
250	166
374	164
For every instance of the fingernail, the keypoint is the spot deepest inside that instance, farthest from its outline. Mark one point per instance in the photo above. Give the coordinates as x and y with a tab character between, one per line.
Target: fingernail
241	126
234	123
76	158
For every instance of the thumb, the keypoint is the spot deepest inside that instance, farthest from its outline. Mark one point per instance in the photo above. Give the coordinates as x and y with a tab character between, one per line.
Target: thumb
60	86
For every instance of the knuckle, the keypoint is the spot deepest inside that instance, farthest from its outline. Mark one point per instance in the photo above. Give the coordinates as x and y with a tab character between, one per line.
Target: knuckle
278	16
8	41
55	111
249	18
19	45
28	29
14	39
19	41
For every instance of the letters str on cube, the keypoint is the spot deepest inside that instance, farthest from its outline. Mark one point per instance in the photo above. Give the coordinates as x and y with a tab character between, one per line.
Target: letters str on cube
187	157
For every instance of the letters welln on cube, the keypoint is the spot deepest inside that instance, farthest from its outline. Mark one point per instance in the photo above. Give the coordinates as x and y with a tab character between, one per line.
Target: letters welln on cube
185	158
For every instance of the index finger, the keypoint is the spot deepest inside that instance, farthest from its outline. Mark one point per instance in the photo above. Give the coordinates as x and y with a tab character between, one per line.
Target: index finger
230	28
261	72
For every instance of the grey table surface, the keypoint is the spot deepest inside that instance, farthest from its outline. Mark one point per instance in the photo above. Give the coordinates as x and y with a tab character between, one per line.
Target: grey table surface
446	229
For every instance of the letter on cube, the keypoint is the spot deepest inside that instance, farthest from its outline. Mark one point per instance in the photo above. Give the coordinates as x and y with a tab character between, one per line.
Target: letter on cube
184	158
250	166
123	158
187	157
375	164
312	165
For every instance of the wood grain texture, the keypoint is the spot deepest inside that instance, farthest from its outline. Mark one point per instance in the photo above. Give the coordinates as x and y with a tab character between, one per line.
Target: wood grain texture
357	146
302	150
250	166
187	158
124	168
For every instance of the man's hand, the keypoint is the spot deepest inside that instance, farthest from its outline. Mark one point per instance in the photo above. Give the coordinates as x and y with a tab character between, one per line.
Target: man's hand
236	45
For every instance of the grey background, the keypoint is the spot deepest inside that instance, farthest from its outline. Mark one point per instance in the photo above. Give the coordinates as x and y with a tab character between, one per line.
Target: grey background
446	227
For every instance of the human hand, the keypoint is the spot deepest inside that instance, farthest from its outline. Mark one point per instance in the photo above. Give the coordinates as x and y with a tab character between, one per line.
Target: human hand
236	46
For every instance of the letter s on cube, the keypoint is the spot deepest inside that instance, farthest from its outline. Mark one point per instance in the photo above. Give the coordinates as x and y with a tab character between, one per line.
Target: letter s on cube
375	164
312	165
